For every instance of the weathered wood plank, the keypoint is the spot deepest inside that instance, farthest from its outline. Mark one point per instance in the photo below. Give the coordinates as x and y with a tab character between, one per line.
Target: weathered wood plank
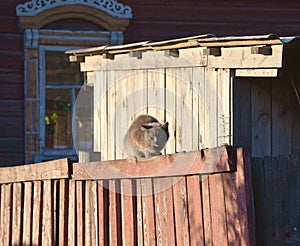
6	217
224	108
206	210
164	213
148	212
80	190
261	118
27	213
195	210
181	212
139	212
211	100
41	171
171	109
36	213
101	223
16	213
128	218
218	210
47	213
71	236
113	220
241	57
215	160
63	211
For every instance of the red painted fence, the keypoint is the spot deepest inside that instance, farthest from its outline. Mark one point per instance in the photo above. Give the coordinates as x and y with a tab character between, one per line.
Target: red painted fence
194	198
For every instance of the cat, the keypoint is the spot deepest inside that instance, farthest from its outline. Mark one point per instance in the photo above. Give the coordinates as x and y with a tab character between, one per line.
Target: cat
145	138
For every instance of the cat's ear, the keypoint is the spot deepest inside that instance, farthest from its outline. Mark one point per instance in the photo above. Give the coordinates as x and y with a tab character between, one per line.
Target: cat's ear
149	126
165	126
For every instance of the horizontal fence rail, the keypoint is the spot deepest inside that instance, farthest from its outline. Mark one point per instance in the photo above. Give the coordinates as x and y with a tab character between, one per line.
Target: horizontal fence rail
194	198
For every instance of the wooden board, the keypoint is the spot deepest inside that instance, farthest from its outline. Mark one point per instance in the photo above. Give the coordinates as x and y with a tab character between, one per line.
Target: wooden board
215	160
42	171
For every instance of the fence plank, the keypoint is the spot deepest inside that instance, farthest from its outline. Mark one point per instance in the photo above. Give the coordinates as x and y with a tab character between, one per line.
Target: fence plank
218	210
215	161
63	212
101	213
206	210
47	212
80	212
114	227
195	210
71	214
148	212
6	218
164	213
42	171
36	213
28	208
16	213
180	211
128	218
139	211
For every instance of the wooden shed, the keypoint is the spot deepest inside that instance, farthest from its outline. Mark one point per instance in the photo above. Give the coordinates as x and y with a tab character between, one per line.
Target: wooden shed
241	91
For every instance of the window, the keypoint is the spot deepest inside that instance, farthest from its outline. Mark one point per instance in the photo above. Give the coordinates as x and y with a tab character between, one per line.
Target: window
51	81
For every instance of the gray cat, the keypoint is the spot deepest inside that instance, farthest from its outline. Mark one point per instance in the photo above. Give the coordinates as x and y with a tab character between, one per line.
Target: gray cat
145	137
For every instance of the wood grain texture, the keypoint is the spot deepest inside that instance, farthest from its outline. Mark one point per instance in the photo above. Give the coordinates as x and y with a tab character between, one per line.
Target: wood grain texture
42	171
215	160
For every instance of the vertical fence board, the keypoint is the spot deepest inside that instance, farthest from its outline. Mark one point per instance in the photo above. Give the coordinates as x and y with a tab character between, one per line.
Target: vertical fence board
27	212
63	212
16	213
195	210
114	226
47	213
2	212
111	106
164	214
139	211
7	220
148	212
206	210
36	213
80	212
233	215
218	210
71	213
101	213
128	218
87	214
181	211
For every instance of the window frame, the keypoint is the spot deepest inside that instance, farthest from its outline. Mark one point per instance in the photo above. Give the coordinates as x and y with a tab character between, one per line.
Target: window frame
48	154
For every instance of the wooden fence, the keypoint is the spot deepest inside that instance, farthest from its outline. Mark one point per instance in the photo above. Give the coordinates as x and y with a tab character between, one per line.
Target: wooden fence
276	183
194	198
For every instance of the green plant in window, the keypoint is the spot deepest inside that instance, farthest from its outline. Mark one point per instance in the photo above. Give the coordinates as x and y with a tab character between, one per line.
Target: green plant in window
50	122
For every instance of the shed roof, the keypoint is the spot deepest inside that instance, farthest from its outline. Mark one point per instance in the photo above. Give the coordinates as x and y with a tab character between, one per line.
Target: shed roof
206	40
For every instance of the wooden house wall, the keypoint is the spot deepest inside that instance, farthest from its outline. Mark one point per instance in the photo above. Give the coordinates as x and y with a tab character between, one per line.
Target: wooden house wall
163	19
12	84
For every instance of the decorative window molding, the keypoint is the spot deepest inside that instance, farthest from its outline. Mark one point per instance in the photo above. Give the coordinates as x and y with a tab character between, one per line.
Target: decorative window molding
112	7
110	14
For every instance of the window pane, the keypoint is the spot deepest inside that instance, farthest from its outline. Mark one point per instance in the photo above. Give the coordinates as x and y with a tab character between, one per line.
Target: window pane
59	71
58	119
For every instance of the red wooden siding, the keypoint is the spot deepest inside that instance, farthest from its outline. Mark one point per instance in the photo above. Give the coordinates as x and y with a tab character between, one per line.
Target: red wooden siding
12	84
160	19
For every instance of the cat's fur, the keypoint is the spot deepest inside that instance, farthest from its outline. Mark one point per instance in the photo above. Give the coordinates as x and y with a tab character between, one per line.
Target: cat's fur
145	137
